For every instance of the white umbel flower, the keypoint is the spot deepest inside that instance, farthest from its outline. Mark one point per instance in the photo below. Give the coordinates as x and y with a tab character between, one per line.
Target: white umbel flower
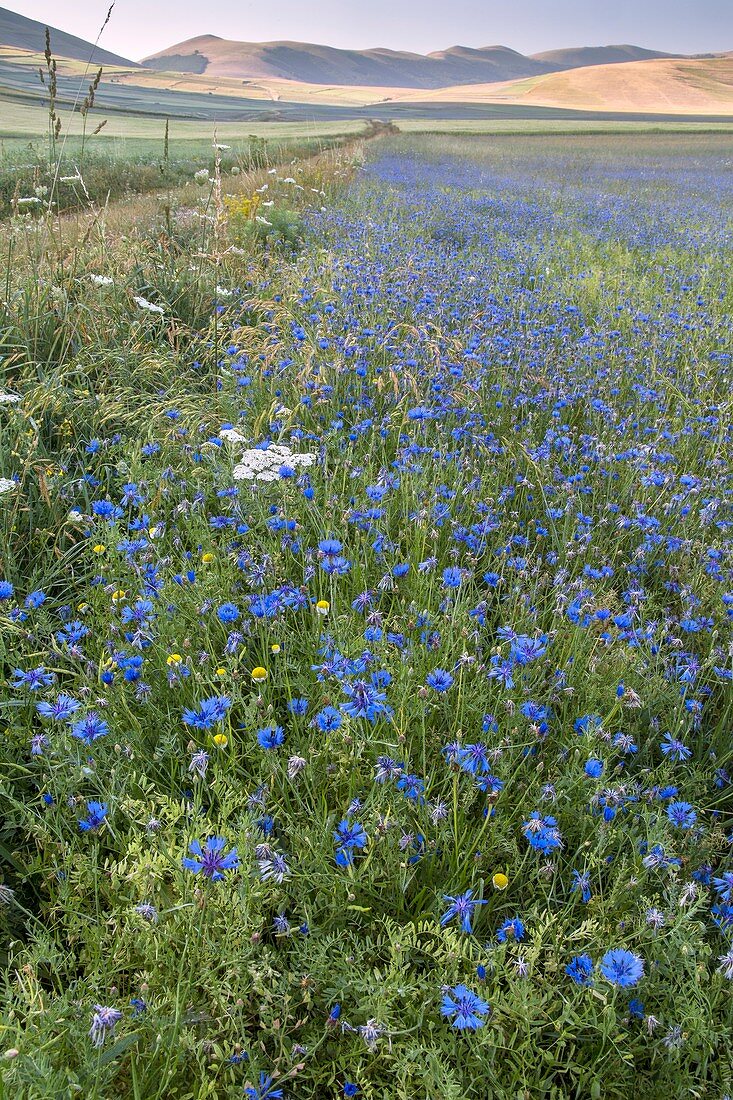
143	303
257	464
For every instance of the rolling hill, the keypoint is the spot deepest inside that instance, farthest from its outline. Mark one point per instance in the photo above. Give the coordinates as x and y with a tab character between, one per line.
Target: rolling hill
701	86
29	36
310	63
220	80
582	56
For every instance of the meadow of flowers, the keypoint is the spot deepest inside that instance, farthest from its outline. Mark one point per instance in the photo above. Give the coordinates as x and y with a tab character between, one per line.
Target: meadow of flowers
366	642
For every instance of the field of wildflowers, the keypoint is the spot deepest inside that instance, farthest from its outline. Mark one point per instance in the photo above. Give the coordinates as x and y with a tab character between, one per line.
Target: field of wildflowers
365	627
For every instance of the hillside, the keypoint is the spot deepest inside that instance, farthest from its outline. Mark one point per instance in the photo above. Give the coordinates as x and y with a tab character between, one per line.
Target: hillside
673	86
314	64
583	56
30	36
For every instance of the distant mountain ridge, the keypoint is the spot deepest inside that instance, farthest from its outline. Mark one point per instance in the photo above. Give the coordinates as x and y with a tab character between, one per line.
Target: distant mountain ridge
311	63
28	34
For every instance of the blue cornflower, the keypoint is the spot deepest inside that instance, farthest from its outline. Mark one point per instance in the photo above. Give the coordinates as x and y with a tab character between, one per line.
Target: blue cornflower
439	679
264	1091
674	749
210	711
502	670
724	885
464	1008
621	967
330	547
351	1088
298	707
681	814
211	858
581	882
365	700
328	719
490	784
270	737
34	679
96	811
593	768
6	590
62	708
412	786
35	599
386	768
636	1008
462	907
452	577
227	613
348	836
474	758
524	650
105	509
90	727
542	833
337	566
513	928
580	969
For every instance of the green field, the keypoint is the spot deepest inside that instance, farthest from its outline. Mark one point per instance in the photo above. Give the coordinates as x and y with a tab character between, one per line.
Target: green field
366	620
21	123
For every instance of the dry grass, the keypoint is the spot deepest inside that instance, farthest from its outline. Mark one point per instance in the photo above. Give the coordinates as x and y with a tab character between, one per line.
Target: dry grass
666	86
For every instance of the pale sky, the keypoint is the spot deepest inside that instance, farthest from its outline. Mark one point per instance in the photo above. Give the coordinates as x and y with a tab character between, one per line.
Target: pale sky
140	27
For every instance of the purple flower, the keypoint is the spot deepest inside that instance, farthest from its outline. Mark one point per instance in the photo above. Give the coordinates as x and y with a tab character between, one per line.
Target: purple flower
103	1023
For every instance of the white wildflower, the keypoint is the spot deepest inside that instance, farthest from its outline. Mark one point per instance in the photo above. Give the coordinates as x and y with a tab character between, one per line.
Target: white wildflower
9	398
295	766
257	464
101	280
143	303
726	965
6	485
